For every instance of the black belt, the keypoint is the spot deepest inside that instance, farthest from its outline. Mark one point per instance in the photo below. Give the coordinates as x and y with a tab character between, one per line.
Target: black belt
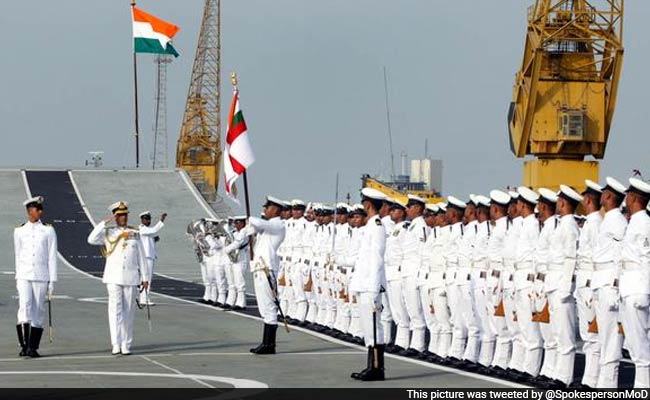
496	274
530	277
541	276
483	275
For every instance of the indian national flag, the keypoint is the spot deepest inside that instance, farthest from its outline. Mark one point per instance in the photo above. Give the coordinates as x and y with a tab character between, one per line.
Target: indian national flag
151	34
238	155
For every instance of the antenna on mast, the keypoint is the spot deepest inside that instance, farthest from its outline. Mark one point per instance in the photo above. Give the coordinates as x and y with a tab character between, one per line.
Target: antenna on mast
390	132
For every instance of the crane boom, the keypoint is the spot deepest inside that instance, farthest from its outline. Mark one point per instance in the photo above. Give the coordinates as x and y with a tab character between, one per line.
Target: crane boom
564	96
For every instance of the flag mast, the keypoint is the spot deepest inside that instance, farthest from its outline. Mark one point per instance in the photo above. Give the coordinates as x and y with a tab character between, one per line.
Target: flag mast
135	95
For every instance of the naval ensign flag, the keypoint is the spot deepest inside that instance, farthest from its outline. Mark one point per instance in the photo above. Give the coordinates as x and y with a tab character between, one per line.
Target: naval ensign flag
238	154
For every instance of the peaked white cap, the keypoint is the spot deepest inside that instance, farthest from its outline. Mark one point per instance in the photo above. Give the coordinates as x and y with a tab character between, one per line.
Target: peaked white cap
500	197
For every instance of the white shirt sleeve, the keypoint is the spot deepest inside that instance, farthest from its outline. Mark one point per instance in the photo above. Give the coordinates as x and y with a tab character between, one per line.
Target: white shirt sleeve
151	230
96	237
52	255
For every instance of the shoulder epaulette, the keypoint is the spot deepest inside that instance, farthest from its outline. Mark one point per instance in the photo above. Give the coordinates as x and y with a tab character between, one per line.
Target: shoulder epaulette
406	225
378	222
23	224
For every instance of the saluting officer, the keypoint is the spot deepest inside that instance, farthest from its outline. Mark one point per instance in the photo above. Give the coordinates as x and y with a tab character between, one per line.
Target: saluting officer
369	280
36	271
125	269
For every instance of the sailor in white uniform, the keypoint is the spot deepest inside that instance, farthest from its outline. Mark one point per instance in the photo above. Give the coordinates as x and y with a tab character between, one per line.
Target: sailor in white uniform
265	266
124	271
149	237
36	271
413	241
499	204
560	285
241	264
584	293
634	281
605	283
369	281
523	280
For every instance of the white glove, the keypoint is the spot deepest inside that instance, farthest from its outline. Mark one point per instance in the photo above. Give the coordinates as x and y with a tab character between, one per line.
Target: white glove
50	289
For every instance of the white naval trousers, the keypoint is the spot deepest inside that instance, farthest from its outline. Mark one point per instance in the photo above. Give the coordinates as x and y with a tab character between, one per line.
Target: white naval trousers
414	310
265	298
121	313
369	317
239	277
469	319
355	319
429	317
299	296
206	280
563	327
636	322
498	325
481	307
31	302
398	311
443	320
540	298
144	295
231	290
386	317
530	332
518	349
607	315
585	307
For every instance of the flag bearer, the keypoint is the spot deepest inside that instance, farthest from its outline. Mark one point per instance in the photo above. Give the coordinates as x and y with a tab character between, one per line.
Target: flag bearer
270	234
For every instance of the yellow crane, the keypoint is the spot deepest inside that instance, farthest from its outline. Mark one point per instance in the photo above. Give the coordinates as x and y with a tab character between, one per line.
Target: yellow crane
564	95
199	146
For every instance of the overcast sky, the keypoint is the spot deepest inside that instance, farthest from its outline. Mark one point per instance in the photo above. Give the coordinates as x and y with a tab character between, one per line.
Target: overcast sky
311	87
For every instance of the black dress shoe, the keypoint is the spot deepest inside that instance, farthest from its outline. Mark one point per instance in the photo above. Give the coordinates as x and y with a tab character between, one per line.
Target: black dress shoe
238	308
424	355
217	304
539	380
497	372
434	359
471	366
449	361
357	340
577	385
483	370
395	349
554	384
518	376
227	307
410	352
203	301
209	302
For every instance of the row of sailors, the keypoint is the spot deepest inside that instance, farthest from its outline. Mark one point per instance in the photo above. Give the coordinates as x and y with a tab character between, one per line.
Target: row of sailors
503	284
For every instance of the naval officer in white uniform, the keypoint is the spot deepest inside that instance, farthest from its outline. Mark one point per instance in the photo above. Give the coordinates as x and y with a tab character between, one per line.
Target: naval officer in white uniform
369	280
149	237
125	269
270	233
634	281
36	252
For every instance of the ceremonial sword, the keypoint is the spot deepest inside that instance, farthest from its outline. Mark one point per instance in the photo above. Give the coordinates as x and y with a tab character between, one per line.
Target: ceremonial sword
276	300
50	328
